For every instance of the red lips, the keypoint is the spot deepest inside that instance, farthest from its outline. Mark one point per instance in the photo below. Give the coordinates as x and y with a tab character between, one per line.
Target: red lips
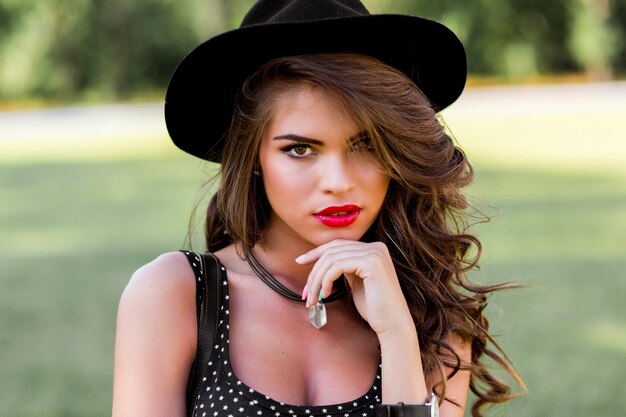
338	216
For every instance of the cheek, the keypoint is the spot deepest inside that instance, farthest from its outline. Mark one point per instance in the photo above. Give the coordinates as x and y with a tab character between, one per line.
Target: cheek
375	181
379	191
284	185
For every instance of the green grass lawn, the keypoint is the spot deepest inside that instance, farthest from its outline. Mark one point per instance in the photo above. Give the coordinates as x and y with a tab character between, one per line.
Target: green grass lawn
73	232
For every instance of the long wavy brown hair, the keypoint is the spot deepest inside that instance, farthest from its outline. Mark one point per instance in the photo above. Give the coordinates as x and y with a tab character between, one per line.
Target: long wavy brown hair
423	222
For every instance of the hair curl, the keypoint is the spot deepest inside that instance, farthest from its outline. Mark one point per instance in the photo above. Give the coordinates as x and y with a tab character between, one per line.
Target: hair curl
423	221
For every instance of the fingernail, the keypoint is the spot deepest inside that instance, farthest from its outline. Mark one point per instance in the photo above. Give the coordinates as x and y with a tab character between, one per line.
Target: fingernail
300	258
305	292
321	295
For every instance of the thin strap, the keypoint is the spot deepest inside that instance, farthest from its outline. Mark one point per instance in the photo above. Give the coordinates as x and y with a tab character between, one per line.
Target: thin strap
207	310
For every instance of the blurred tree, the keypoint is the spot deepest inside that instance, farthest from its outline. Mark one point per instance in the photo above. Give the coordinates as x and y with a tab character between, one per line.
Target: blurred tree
137	43
24	47
592	39
513	38
110	48
68	52
118	48
8	12
617	18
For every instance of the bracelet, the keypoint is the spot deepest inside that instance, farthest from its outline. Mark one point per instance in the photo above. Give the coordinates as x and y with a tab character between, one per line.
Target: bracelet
409	410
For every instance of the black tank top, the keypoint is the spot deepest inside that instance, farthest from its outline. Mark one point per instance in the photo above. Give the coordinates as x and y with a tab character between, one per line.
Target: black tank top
222	394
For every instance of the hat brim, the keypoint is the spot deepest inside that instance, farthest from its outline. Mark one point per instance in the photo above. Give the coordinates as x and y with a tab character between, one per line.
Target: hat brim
201	94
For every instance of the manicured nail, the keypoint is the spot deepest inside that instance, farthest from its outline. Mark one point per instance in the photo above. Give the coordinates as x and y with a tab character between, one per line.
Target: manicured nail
300	258
305	292
321	295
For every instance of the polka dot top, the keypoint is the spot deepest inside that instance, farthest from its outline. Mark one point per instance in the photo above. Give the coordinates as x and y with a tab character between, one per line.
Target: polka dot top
222	394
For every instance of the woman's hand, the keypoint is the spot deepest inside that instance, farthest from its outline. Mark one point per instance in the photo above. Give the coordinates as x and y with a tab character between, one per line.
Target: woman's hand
371	275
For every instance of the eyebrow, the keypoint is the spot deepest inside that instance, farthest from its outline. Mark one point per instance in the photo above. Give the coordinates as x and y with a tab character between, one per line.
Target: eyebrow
298	138
304	139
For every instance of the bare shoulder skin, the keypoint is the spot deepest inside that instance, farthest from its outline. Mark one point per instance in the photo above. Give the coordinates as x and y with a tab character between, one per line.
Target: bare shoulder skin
155	339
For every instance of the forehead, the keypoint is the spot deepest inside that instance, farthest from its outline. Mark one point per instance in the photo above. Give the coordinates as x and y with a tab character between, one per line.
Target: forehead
308	109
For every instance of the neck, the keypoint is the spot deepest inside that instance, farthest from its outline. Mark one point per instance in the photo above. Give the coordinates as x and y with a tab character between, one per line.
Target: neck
277	255
283	267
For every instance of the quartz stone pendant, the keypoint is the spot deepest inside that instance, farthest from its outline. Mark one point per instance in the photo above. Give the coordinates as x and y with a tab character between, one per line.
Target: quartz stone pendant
317	315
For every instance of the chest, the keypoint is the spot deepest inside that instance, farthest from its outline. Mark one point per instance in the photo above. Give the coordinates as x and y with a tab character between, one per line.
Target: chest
273	349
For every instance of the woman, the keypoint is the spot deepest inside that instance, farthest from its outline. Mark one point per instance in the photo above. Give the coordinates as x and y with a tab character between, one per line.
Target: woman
338	183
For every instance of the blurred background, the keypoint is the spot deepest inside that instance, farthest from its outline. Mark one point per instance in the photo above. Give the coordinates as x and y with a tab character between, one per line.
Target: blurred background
91	187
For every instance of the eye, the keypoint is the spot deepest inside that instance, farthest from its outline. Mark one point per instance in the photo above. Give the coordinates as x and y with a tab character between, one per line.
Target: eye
362	144
298	150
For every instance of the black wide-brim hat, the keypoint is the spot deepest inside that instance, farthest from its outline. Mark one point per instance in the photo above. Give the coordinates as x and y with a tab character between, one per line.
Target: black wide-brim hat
201	95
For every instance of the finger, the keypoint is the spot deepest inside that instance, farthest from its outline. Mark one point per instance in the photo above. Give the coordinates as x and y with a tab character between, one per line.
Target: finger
356	262
349	266
333	256
333	251
315	253
330	268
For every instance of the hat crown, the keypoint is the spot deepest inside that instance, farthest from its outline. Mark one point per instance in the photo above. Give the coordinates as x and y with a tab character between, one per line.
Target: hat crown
292	11
202	93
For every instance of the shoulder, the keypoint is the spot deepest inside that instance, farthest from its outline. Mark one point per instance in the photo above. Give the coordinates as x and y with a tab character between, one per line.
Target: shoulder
167	278
160	298
156	338
170	268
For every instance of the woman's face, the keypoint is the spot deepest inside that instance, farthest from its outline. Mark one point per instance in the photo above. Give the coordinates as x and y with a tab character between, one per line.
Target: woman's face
320	175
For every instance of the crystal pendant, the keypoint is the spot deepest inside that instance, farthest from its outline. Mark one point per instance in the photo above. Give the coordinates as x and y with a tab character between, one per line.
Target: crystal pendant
317	315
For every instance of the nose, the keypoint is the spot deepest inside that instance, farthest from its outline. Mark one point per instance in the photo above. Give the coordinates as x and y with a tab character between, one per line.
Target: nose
336	176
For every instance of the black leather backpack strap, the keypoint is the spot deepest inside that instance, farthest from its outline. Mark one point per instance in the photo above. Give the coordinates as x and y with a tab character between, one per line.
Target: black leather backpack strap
207	276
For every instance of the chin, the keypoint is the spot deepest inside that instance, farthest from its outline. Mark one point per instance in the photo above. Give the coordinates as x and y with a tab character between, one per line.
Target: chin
345	234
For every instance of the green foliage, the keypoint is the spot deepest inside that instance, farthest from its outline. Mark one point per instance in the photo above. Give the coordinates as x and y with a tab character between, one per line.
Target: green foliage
617	19
518	39
24	49
593	39
514	39
72	49
140	42
66	48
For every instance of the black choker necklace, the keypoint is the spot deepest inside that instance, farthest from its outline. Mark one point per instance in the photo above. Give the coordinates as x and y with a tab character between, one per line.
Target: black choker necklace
317	312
